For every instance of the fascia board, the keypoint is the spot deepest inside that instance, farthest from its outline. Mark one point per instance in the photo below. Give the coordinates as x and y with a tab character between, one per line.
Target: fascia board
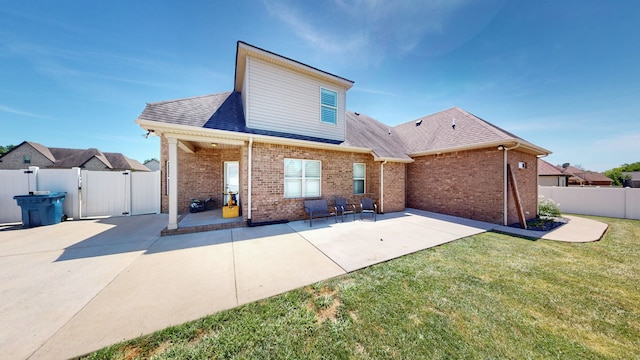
189	133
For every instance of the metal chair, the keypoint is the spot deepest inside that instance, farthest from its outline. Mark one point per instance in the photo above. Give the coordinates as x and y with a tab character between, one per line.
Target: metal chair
368	206
343	208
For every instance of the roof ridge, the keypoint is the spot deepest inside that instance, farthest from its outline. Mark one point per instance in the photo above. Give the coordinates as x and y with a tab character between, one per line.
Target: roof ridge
487	125
188	98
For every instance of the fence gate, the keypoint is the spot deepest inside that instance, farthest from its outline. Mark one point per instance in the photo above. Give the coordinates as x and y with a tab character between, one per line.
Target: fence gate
105	193
89	193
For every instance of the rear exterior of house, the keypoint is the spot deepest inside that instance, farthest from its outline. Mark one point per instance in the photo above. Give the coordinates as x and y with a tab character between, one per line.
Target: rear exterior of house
286	130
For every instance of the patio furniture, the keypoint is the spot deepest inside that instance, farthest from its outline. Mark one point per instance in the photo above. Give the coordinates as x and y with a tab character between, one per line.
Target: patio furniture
318	208
368	206
343	208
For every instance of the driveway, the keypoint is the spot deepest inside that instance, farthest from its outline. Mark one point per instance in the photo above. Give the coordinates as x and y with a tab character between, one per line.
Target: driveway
74	287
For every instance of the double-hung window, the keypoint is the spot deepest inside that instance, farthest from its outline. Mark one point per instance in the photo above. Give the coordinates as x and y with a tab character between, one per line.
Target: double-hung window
328	106
359	178
302	178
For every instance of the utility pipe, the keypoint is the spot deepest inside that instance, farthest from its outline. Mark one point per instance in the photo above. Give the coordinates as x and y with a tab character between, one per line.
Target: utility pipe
382	187
249	167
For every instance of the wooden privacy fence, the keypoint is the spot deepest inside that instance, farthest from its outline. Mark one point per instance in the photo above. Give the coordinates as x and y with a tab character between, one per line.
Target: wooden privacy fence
89	193
614	202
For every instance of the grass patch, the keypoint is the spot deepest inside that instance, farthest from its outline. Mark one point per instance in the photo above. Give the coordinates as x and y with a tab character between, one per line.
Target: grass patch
485	296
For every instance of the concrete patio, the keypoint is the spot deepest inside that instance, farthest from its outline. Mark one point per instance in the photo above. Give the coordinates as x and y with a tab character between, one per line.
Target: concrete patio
74	287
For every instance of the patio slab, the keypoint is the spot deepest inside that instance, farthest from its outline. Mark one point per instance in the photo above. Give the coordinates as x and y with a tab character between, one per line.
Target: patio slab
357	244
180	278
74	287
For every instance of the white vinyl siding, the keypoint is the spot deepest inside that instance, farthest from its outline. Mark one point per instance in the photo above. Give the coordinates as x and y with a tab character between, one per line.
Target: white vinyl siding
279	99
359	178
302	178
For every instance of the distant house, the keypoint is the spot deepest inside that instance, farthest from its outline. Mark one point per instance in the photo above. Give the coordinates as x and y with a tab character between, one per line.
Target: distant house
634	181
581	177
551	175
283	135
153	164
33	154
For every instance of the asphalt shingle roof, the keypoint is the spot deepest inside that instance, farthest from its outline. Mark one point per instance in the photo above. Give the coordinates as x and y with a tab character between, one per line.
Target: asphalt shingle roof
224	111
545	168
367	132
435	132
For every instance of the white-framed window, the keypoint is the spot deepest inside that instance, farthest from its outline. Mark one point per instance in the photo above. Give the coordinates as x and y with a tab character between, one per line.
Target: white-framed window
359	178
27	159
328	106
302	178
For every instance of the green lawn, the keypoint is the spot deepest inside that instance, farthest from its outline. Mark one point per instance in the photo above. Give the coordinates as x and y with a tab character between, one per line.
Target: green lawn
486	296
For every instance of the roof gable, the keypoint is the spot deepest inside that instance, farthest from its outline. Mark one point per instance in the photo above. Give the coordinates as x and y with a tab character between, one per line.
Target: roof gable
244	49
437	132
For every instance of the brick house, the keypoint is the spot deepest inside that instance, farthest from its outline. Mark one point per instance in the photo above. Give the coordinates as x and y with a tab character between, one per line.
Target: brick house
551	175
581	177
286	133
29	153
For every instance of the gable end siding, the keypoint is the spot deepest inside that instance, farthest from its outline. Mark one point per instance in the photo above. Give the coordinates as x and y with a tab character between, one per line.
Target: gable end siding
280	99
14	160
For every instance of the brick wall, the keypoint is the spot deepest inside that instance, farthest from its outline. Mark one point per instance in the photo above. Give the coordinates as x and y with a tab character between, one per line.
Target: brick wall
470	184
201	174
14	160
394	187
527	180
268	202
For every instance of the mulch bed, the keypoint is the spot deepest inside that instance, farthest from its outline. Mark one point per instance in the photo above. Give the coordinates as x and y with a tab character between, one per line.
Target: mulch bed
543	224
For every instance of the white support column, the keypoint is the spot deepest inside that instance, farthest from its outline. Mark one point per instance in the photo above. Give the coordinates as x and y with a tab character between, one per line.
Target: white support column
173	183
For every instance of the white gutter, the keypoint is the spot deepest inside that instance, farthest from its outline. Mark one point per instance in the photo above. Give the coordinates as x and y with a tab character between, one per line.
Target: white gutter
504	190
249	171
517	142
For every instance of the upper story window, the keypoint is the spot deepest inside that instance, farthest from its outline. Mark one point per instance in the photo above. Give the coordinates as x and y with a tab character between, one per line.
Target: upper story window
27	159
329	106
359	178
302	178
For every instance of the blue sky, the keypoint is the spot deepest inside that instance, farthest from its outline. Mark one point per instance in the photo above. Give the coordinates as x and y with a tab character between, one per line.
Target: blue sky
564	75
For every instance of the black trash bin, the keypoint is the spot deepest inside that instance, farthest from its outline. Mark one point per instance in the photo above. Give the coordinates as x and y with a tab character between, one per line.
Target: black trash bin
41	208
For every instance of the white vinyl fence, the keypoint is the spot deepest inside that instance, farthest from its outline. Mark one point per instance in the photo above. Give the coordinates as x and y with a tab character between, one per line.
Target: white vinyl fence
89	193
606	201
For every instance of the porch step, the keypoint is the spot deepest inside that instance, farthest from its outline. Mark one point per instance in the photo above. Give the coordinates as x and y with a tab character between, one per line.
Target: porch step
202	228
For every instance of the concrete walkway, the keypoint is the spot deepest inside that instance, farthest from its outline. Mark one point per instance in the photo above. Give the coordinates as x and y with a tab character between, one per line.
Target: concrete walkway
74	287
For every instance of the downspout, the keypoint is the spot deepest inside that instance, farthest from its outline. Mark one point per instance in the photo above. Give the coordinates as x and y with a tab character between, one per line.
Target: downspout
382	186
249	167
504	189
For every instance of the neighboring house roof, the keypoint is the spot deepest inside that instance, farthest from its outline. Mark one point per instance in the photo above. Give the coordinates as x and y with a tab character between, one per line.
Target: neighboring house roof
119	161
580	175
436	133
69	158
635	175
45	151
547	169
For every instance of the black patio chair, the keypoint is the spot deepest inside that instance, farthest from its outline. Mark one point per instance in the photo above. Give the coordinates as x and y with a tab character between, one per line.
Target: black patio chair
368	206
342	208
